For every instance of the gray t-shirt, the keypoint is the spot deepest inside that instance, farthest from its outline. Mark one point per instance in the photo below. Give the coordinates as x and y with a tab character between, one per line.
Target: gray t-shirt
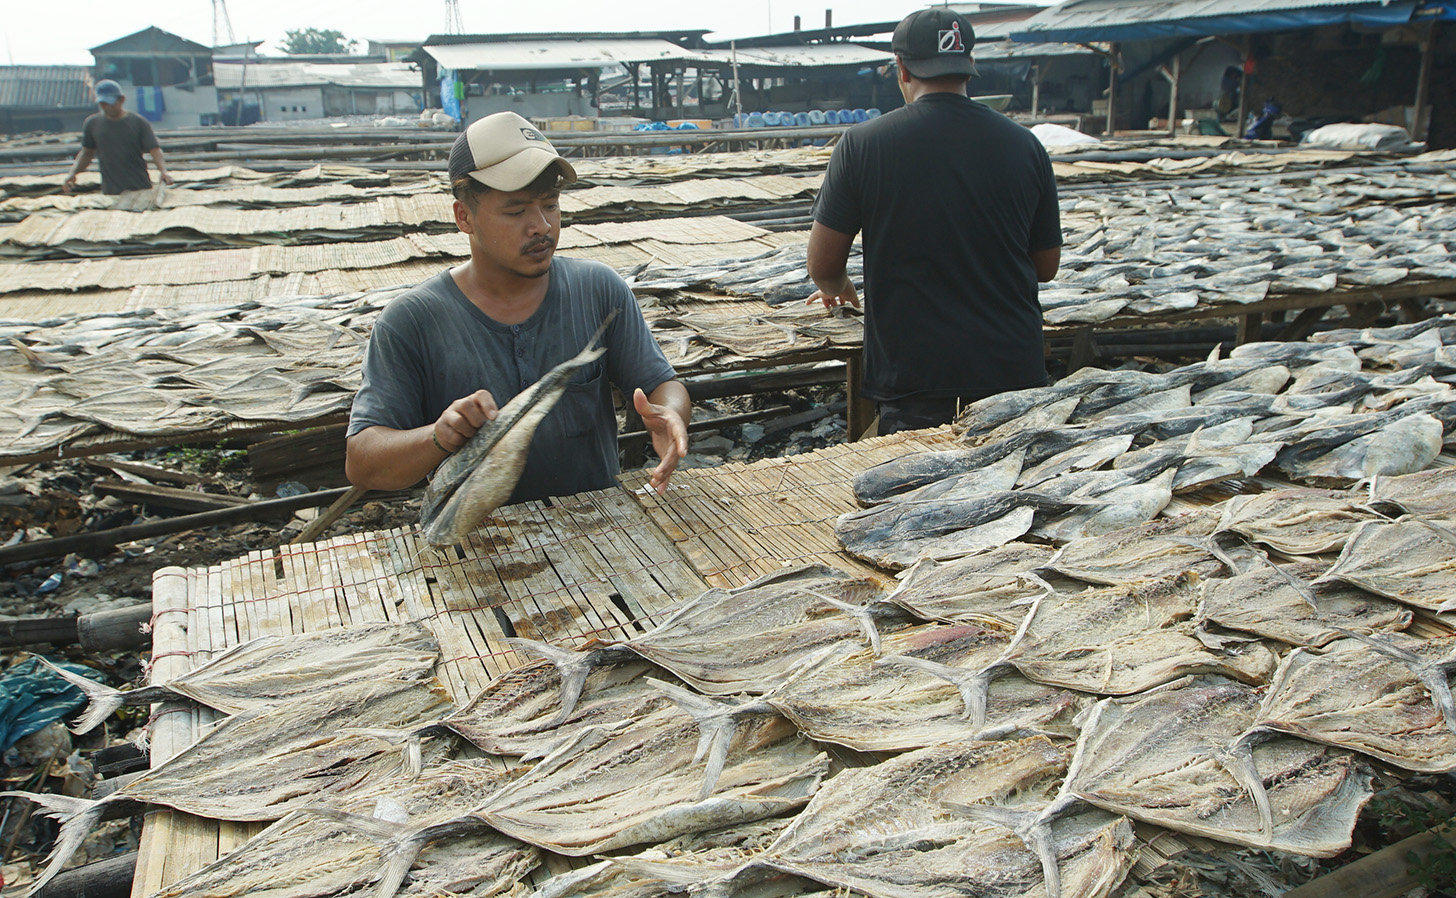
119	145
432	346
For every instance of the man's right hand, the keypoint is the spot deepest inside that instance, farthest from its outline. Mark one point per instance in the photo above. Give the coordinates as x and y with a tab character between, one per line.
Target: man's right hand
69	184
462	418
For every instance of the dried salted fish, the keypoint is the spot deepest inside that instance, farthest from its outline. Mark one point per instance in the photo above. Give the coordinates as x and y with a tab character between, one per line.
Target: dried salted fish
480	477
748	639
270	669
639	783
913	696
315	852
714	862
1126	639
1281	602
1295	521
527	710
898	534
1111	508
1385	696
1157	549
1411	560
893	830
1426	494
988	589
1160	758
1403	446
262	764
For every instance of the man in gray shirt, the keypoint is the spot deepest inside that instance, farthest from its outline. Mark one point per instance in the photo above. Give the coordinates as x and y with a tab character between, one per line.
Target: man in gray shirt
445	355
119	138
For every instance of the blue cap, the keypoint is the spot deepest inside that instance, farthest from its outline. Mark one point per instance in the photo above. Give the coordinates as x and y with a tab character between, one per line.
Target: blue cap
107	91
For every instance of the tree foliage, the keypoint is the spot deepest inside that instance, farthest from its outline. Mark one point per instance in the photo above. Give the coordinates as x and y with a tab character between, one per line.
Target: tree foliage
317	40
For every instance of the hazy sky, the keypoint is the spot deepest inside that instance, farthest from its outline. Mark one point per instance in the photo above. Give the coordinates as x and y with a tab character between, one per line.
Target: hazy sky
35	33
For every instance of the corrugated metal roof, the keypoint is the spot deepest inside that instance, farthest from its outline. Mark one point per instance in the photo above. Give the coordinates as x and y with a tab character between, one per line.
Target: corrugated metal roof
152	41
1082	20
1006	50
800	55
46	87
385	75
573	54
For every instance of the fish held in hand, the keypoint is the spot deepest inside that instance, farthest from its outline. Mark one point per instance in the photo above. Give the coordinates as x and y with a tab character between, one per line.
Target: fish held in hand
480	477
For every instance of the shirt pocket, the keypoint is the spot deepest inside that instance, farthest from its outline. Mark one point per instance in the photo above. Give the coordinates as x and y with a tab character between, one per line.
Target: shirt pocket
582	408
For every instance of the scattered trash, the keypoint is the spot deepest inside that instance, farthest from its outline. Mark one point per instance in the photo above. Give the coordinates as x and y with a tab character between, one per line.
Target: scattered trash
32	697
290	488
49	585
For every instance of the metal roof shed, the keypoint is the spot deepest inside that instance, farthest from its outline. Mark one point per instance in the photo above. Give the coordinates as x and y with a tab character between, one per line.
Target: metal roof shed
44	97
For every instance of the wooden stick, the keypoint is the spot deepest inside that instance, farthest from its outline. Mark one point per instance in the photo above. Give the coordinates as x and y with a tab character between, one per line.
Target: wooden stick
1384	874
332	513
105	539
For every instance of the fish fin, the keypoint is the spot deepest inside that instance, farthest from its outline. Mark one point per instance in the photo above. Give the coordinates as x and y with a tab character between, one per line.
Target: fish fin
1299	586
78	816
101	699
400	856
571	666
1238	761
861	615
1433	675
973	686
722	737
1031	828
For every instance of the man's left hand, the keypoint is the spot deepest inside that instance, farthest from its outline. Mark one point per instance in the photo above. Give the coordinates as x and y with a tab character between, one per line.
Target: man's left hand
669	437
167	179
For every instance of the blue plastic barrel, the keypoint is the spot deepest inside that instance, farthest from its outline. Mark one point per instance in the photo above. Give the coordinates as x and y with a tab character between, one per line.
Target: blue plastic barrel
817	117
859	115
756	120
871	113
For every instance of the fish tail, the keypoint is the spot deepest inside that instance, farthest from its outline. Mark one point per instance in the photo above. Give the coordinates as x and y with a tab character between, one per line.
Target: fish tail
101	699
571	667
78	816
407	849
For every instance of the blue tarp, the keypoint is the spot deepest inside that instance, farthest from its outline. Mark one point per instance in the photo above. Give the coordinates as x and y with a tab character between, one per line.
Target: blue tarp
449	95
32	696
1370	16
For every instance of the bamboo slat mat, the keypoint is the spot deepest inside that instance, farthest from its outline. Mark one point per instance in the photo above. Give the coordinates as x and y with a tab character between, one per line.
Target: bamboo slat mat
738	522
592	566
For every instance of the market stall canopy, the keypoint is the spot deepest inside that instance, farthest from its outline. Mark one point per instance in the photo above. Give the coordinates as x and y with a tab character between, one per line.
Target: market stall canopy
1120	20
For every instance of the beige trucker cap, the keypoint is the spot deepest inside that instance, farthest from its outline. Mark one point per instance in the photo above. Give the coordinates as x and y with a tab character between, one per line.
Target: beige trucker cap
506	152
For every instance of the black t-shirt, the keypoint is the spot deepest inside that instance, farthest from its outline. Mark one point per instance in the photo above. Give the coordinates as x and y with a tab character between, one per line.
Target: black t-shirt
119	145
952	197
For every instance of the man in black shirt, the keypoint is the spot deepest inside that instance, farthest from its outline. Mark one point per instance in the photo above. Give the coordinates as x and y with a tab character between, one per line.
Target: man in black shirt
119	138
958	206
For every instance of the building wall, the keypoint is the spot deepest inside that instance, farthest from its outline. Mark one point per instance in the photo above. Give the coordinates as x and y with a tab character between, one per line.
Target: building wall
527	105
189	108
369	101
282	104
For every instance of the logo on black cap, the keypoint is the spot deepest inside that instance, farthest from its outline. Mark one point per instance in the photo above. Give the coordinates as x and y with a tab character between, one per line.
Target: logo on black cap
950	40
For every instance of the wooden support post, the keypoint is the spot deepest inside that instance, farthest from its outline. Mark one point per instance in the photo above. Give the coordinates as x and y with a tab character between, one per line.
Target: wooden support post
1251	328
1111	127
1174	77
1303	324
860	412
1035	91
1244	86
1423	83
1084	349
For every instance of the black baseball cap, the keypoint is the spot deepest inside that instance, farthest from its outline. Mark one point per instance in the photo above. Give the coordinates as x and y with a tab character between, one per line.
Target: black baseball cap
934	42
